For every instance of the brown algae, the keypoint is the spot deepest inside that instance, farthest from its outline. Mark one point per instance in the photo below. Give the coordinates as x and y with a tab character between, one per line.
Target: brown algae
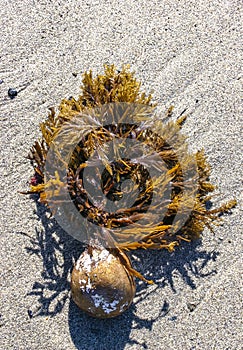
117	87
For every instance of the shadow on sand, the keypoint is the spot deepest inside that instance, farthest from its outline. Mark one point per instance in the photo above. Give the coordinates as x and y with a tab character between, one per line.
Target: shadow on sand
58	252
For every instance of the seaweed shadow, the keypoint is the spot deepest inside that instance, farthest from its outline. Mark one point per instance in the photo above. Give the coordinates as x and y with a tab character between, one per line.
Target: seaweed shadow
58	252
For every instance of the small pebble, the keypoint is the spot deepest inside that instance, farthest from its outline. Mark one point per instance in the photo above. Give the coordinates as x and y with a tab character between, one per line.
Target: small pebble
12	93
191	306
173	318
30	313
1	81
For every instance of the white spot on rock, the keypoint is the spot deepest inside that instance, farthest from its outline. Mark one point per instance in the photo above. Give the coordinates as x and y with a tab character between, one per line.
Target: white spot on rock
107	306
86	261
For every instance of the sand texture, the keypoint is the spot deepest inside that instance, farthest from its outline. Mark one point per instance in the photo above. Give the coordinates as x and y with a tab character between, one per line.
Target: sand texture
190	54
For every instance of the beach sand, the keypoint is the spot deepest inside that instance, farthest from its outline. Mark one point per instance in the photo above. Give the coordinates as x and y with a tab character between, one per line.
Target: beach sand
188	53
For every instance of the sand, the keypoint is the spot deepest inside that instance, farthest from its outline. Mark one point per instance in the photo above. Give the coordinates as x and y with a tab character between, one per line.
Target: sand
189	53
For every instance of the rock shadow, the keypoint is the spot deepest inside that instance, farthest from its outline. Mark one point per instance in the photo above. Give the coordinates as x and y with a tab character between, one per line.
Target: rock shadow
58	251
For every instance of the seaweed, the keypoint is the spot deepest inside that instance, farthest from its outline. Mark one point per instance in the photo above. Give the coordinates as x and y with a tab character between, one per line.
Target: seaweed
119	87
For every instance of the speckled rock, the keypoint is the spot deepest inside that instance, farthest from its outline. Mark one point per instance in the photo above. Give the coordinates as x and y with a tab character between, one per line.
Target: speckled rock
101	285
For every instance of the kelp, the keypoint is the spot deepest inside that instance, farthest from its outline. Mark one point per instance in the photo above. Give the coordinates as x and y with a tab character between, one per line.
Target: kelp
116	86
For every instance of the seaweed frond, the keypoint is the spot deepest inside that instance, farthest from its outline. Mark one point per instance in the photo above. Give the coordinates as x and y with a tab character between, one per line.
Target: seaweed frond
117	87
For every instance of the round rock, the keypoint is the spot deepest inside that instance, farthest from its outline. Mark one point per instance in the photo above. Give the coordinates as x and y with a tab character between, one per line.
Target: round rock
101	285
